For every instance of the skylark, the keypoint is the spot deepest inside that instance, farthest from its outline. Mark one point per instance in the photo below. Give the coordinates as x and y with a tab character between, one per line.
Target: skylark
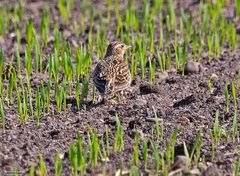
112	74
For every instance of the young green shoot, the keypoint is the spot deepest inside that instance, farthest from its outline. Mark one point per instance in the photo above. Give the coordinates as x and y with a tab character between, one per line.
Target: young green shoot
234	94
45	25
145	153
236	167
93	148
42	168
119	143
217	130
226	93
186	153
135	155
2	114
234	126
58	165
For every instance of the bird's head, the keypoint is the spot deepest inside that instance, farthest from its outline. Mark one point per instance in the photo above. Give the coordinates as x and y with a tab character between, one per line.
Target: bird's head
116	48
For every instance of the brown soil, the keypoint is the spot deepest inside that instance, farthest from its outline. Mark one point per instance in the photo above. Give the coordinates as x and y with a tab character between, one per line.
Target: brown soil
183	102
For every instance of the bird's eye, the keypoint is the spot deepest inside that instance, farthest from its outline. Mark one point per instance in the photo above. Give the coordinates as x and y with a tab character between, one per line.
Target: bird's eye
122	46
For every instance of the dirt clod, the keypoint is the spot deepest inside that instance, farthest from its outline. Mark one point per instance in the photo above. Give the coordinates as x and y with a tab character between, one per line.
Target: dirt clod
192	67
148	88
185	101
163	76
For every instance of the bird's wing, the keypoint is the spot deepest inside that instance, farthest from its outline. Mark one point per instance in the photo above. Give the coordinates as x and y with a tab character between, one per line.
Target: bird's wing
123	76
103	76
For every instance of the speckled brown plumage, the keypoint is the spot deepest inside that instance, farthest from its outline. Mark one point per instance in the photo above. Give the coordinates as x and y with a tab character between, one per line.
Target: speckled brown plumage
112	74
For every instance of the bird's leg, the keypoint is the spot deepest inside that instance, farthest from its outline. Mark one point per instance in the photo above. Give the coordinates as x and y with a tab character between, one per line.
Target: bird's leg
120	95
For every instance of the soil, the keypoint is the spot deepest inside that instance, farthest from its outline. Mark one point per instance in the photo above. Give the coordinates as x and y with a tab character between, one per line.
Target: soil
180	102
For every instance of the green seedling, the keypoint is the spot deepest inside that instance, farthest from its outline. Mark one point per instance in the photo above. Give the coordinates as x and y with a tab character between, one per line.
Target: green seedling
38	106
14	171
216	44
1	71
107	142
135	155
186	153
91	19
32	171
162	61
145	153
226	93
134	171
73	158
42	168
29	33
196	147
183	57
77	95
168	28
38	56
152	70
217	130
237	7
5	16
56	40
18	60
18	12
156	158
194	44
20	111
2	114
85	87
93	148
210	86
177	56
168	152
210	47
119	143
58	165
234	126
28	66
45	25
236	167
81	156
31	106
58	97
234	94
47	92
62	6
171	14
143	59
161	39
43	97
82	18
158	131
173	142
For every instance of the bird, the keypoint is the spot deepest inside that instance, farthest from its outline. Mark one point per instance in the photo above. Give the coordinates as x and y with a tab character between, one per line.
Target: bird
111	74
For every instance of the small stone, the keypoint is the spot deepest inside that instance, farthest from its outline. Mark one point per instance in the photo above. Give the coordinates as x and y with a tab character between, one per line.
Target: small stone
195	171
181	161
112	111
192	67
214	76
163	76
